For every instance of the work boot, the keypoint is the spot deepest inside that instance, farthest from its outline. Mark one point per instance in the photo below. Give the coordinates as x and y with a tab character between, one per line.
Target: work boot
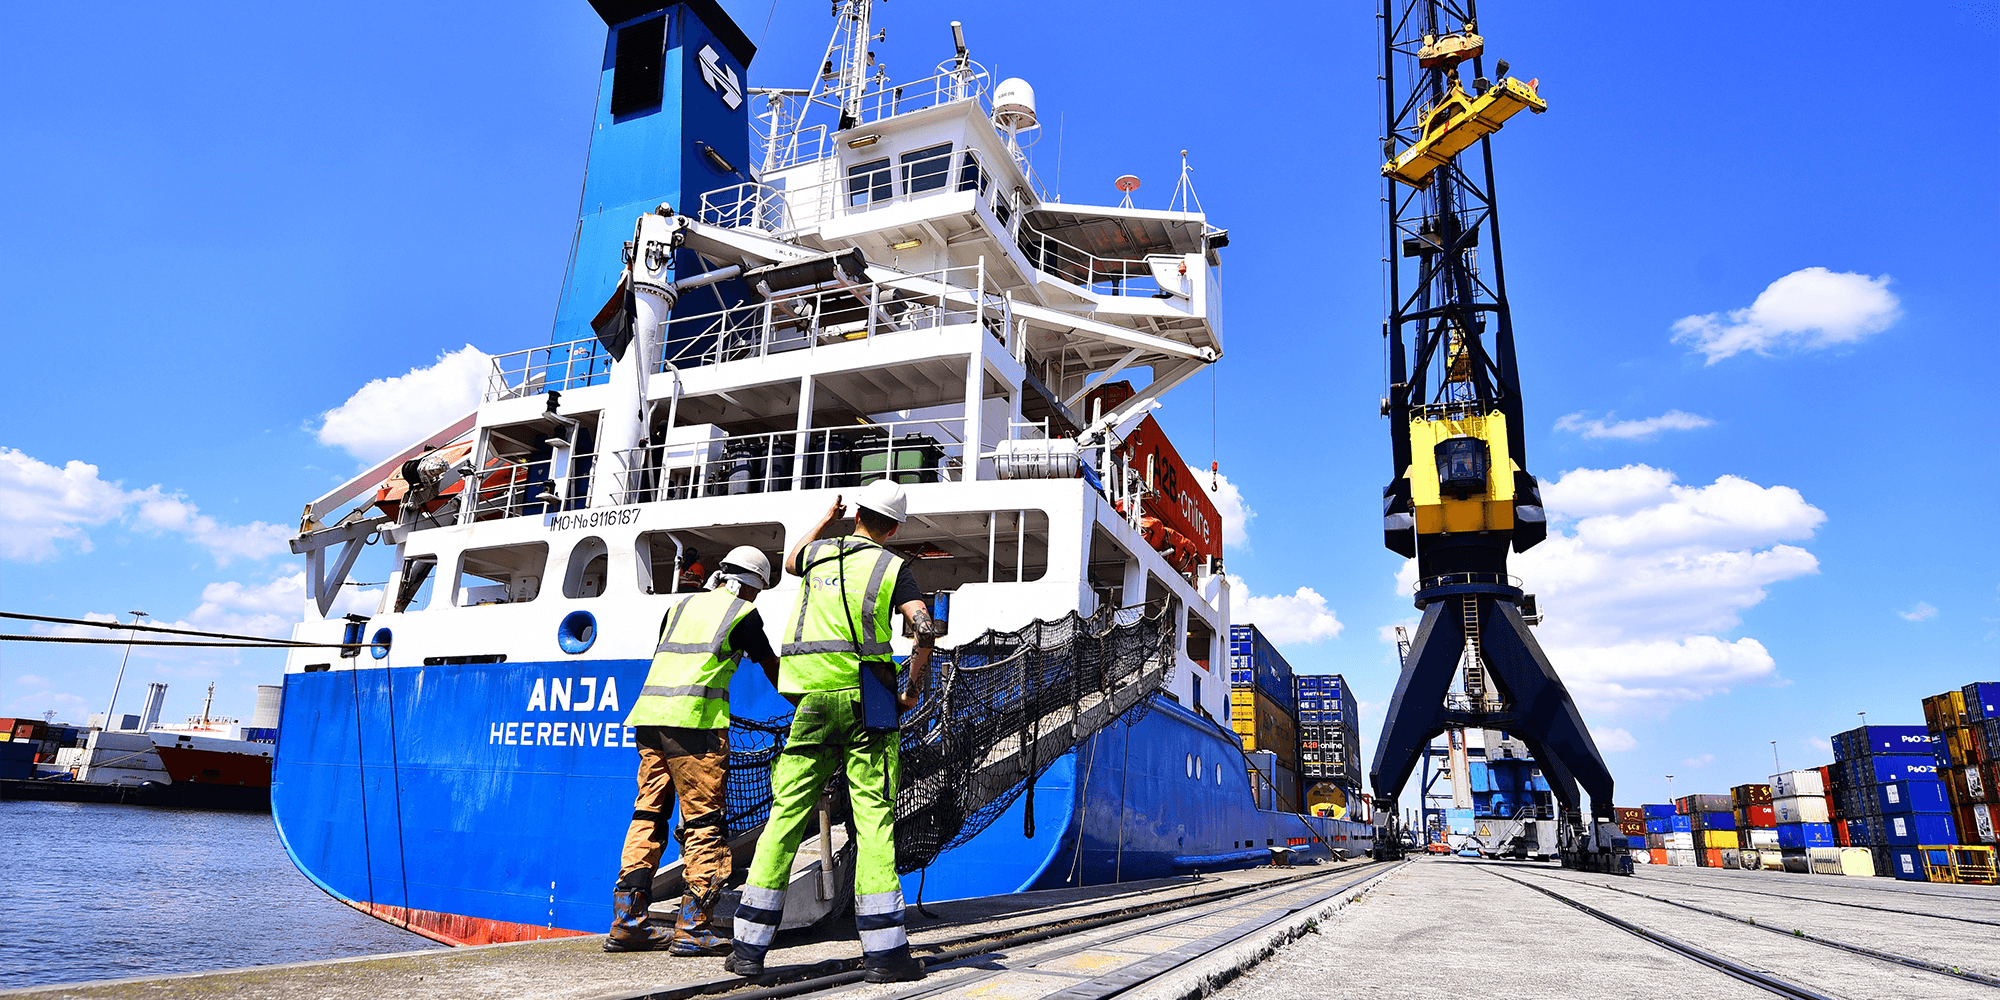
694	932
743	965
898	966
629	930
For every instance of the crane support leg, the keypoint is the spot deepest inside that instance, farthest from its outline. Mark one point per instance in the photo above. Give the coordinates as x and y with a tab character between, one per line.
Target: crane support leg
1548	719
1416	712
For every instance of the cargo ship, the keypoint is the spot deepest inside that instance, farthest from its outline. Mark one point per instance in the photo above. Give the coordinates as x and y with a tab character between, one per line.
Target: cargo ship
869	281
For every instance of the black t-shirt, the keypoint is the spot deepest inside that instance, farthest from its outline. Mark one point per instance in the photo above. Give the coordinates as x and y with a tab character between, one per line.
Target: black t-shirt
747	637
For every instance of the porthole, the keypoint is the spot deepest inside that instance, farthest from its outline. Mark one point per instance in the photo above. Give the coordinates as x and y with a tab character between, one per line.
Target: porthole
577	631
379	646
1218	774
1190	765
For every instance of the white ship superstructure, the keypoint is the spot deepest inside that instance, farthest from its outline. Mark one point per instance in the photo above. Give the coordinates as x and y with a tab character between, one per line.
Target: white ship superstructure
919	307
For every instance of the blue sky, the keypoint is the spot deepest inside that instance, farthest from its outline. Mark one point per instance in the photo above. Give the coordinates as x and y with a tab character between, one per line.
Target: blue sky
222	221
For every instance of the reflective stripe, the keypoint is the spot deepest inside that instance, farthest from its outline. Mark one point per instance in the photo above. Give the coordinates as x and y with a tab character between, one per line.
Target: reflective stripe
758	897
867	649
754	933
868	622
887	939
868	904
683	691
843	616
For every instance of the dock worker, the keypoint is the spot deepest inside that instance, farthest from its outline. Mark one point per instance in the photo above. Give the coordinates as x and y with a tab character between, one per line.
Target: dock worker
681	718
849	588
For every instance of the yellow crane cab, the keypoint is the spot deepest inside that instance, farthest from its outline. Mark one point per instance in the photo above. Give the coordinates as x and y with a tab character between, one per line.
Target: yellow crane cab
1457	121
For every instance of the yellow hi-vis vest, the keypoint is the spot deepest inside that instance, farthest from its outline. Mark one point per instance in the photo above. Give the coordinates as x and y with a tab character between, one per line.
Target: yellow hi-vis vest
688	685
848	586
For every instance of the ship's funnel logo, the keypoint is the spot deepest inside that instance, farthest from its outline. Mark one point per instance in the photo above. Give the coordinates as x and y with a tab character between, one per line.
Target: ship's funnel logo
720	77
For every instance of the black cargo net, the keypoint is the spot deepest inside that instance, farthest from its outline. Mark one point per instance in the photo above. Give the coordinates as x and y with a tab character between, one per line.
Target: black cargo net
997	712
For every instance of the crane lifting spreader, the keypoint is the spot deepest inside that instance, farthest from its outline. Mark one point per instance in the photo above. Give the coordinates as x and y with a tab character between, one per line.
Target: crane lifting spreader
1461	495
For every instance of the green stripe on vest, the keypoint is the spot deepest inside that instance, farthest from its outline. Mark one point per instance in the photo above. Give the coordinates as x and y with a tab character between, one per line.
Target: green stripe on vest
848	588
688	685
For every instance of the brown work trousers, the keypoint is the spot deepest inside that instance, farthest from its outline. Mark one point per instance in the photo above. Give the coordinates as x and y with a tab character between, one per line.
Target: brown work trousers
693	764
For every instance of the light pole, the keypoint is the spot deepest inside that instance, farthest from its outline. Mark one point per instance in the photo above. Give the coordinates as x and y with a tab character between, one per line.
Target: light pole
1670	788
1774	758
136	615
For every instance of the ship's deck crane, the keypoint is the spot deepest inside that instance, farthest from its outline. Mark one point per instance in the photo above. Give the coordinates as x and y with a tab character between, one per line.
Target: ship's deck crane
1460	496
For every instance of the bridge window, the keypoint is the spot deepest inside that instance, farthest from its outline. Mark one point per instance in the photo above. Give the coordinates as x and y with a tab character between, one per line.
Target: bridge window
502	574
927	169
869	182
1461	465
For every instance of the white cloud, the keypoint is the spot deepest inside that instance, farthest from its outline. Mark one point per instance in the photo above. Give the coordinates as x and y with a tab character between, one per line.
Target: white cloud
1807	309
1641	577
1614	740
1285	619
390	413
1820	743
32	680
1631	430
1700	760
1922	612
41	505
1236	515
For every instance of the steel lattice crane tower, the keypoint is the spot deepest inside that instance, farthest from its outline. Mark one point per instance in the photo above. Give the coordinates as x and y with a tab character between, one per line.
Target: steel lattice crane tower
1461	496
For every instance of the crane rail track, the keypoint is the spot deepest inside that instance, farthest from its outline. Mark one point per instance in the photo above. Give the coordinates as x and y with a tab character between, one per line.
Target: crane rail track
1836	902
935	954
1727	967
1882	956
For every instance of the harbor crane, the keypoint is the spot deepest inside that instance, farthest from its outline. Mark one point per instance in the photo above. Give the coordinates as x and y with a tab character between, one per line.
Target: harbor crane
1461	497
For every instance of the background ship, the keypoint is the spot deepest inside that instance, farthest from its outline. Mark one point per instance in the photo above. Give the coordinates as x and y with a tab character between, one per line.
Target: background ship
876	287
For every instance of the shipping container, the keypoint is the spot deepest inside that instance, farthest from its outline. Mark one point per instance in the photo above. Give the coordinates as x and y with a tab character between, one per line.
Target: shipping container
1801	809
1799	836
1908	796
1907	863
1744	795
1865	740
1718	839
1919	829
1876	769
1656	810
1982	700
1944	711
1669	824
1825	860
1857	862
1690	804
1796	860
1249	649
1708	858
1263	724
1790	784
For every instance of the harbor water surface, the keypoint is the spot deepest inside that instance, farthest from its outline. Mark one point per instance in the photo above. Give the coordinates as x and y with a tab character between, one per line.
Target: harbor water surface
109	891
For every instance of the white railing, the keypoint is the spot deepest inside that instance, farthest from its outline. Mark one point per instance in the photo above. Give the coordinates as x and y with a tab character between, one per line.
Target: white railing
512	487
897	181
824	317
912	451
1117	276
879	99
553	368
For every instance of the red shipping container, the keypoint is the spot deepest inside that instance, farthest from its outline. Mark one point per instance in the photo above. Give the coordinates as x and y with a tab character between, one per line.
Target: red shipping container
1180	502
1659	855
1711	858
1763	816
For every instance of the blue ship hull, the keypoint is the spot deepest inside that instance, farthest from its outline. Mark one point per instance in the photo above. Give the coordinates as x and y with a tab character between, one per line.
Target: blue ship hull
487	802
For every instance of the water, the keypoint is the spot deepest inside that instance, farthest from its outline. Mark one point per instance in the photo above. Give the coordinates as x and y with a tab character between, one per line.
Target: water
107	891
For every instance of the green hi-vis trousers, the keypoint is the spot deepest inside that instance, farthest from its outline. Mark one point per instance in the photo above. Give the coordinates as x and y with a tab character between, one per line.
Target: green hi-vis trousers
826	735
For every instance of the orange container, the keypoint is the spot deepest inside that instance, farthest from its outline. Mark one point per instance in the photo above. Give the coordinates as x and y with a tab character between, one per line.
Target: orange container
1711	859
1659	855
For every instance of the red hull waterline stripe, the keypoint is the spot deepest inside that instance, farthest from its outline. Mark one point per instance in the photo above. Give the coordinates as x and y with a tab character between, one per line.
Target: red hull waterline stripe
459	931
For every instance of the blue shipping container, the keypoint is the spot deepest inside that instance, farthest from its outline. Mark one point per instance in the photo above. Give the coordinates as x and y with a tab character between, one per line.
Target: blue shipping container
1911	796
1660	824
1477	774
1865	740
1655	810
1902	767
1982	700
1797	835
1718	821
1919	829
1907	864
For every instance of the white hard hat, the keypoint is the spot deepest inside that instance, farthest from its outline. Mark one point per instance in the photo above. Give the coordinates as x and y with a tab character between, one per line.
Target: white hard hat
751	561
885	497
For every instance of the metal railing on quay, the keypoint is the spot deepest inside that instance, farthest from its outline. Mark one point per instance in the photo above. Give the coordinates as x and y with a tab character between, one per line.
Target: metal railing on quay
828	316
910	451
552	368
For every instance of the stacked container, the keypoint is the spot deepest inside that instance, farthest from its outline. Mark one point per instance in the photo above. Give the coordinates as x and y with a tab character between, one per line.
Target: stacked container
1669	835
1798	805
1632	826
1966	724
1329	731
1261	711
1756	825
1867	762
1712	821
